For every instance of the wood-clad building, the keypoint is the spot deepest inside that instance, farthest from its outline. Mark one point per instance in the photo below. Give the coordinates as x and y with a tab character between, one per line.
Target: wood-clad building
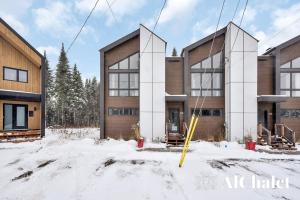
22	91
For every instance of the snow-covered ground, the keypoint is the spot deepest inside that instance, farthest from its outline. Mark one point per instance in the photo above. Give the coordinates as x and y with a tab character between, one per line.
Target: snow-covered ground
73	164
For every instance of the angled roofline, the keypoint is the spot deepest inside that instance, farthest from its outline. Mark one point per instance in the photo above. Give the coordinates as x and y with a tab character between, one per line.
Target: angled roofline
283	45
231	22
153	33
127	37
120	41
211	36
20	37
204	40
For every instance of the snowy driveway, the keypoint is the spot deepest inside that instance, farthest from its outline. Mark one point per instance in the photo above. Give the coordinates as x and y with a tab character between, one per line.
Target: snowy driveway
81	168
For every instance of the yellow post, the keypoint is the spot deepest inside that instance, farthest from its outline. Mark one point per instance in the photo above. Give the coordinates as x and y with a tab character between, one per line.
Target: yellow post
185	149
187	139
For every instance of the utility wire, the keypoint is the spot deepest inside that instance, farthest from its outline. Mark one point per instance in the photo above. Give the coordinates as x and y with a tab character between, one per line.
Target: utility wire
111	10
162	8
87	18
203	101
209	56
280	30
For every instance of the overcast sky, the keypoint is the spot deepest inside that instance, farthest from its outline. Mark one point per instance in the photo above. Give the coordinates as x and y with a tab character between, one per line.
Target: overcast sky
46	24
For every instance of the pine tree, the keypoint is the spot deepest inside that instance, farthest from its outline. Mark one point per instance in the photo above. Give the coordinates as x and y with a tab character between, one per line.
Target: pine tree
49	94
77	97
63	91
174	52
87	102
94	85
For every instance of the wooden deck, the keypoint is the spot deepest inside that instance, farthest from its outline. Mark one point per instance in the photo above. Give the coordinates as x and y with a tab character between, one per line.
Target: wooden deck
26	135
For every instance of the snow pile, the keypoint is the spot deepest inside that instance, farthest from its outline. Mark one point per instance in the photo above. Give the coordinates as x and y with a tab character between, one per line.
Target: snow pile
74	164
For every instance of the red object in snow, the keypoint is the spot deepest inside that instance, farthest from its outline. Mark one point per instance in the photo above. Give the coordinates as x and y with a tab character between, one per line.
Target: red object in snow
250	145
140	143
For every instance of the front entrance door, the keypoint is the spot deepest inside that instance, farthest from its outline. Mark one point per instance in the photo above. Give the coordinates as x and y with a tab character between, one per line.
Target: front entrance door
15	117
174	120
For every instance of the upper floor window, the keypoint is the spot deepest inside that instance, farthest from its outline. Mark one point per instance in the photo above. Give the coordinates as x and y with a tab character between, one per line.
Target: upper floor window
206	84
12	74
212	62
295	63
290	84
131	62
124	77
123	84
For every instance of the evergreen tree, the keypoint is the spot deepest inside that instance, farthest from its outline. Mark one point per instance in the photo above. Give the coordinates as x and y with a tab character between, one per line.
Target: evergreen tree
77	97
63	90
50	106
174	52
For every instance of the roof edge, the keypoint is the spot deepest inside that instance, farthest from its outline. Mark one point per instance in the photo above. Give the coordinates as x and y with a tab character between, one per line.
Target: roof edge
120	41
21	38
153	33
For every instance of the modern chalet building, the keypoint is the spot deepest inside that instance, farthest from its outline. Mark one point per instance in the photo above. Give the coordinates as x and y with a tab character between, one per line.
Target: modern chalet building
22	95
140	84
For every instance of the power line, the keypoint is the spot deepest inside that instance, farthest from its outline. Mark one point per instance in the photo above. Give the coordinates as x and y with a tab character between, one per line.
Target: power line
162	8
75	38
280	30
111	10
211	47
203	101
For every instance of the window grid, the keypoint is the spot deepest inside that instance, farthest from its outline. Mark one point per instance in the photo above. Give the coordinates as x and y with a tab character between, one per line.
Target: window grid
124	111
125	90
126	80
20	76
209	112
289	84
290	113
212	88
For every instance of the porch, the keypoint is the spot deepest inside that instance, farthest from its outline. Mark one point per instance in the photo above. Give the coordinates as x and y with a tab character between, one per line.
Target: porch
19	135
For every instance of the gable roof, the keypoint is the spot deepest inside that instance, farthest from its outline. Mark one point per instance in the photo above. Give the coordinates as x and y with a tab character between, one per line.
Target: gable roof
204	40
211	36
125	38
14	38
283	45
120	41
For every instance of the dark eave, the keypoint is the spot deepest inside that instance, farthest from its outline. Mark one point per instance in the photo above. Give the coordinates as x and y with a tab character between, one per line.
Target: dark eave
204	40
211	36
20	96
120	41
20	37
283	45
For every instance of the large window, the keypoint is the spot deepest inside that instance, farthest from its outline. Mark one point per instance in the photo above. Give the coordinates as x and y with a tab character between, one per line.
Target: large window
124	77
131	62
123	84
11	74
290	83
214	62
123	111
207	76
206	84
15	116
290	78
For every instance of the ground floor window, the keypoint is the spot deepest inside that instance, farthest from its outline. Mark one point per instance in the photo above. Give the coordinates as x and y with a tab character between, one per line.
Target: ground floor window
15	116
209	112
290	113
123	111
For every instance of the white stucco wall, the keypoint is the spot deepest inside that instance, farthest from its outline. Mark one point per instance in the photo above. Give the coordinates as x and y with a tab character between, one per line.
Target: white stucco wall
152	86
240	84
